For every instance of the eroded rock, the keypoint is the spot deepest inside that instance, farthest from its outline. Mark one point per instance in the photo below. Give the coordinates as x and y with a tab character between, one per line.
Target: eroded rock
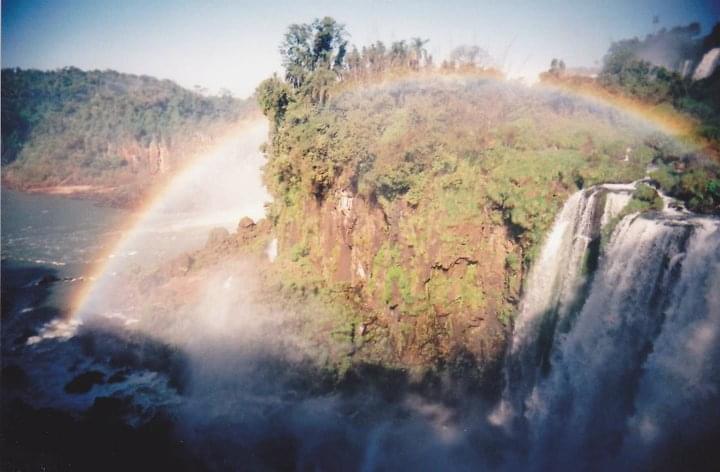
217	237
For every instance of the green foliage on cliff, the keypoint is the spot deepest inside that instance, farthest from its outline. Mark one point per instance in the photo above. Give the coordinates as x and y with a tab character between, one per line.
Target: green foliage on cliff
456	180
477	145
69	124
457	167
688	176
658	69
698	187
625	71
645	197
658	72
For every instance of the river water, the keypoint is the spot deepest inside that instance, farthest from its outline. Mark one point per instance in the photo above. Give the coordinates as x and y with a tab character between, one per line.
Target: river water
99	383
46	238
55	414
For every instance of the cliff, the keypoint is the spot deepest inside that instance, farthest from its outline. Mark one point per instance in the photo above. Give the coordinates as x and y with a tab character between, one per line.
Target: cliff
420	204
103	134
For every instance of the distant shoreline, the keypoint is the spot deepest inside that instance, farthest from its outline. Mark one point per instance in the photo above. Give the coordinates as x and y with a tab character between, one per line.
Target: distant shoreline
126	197
70	190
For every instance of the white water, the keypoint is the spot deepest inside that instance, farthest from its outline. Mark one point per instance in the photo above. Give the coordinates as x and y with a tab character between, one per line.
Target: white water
556	280
708	64
607	369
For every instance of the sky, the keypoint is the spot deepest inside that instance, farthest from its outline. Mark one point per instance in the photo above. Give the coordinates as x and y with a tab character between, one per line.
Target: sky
233	45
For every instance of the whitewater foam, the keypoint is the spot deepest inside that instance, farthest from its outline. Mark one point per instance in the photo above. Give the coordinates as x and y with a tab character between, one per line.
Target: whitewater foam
631	366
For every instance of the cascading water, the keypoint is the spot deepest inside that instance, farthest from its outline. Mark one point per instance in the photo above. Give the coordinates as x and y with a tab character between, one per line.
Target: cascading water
612	365
557	280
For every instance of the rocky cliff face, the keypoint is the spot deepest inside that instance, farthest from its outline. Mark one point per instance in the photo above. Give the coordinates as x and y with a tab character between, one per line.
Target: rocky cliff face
428	289
413	209
151	158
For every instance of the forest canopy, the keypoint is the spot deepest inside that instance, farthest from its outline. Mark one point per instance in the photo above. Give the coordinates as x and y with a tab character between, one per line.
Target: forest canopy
70	124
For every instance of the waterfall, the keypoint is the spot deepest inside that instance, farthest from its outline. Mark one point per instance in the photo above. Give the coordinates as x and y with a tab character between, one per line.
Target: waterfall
557	280
611	362
708	64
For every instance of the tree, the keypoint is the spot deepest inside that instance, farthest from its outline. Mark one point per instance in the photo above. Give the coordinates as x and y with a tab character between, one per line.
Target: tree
274	96
311	47
557	68
329	44
419	53
469	56
374	57
297	54
354	62
398	54
624	71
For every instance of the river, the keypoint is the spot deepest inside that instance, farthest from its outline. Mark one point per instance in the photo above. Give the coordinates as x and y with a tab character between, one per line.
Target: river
62	379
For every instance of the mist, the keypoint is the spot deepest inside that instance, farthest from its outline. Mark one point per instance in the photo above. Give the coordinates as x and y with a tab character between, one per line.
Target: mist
247	386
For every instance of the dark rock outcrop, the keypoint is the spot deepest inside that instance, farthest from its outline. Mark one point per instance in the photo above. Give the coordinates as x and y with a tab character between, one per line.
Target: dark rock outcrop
84	382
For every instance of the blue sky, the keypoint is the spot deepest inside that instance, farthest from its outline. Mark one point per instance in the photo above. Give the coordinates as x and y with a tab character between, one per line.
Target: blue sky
234	44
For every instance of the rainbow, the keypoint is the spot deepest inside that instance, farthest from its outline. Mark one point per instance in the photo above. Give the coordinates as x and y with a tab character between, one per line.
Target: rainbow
664	118
153	206
667	121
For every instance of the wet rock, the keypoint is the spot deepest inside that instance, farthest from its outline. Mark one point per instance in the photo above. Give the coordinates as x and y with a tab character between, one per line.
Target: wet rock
248	230
181	265
109	408
101	438
84	382
118	377
245	224
264	226
48	279
217	237
476	321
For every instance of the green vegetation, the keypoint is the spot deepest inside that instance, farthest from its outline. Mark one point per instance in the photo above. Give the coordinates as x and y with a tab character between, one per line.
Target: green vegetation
455	178
657	70
99	127
630	67
698	187
389	143
647	71
644	198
